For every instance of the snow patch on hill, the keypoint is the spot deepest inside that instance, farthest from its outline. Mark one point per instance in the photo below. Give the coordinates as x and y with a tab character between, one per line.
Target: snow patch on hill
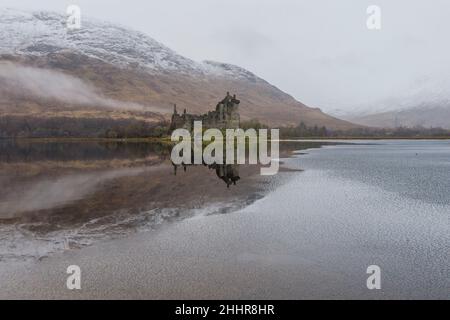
41	33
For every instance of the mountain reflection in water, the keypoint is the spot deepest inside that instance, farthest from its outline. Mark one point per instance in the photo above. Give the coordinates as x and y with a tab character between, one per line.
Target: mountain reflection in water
85	190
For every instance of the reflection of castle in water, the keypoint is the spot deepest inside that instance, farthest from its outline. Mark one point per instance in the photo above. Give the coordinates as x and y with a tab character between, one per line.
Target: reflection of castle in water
226	116
229	173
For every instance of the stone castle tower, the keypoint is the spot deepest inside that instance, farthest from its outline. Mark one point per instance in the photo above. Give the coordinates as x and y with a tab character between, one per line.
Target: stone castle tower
226	116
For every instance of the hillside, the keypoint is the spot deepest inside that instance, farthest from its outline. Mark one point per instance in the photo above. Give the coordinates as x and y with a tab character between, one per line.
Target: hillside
425	115
108	71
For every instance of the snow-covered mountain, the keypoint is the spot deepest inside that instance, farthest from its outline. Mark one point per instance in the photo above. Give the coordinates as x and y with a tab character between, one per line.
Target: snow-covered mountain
424	103
422	115
41	33
118	66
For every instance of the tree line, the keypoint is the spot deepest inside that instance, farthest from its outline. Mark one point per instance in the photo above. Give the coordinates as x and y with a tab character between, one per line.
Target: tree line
67	127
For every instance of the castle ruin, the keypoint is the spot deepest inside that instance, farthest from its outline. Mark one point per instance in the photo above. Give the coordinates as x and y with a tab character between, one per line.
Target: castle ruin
226	116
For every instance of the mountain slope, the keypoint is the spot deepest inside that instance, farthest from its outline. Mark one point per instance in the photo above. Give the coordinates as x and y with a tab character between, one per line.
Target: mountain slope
105	69
424	115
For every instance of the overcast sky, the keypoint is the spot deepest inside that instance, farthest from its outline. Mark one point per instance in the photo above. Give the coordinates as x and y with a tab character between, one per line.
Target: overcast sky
319	51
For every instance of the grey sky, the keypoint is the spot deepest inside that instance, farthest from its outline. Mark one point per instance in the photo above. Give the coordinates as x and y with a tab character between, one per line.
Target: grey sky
319	51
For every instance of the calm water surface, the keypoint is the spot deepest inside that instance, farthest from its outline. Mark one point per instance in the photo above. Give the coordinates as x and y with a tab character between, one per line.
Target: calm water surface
64	195
301	234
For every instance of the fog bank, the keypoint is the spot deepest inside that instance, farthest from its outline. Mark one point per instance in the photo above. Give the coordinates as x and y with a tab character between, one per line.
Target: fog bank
49	84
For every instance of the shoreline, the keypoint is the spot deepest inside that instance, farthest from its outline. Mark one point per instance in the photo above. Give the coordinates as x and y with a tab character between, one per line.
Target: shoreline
167	140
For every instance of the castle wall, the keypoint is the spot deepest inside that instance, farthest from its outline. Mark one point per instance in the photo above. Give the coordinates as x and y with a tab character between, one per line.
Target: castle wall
226	116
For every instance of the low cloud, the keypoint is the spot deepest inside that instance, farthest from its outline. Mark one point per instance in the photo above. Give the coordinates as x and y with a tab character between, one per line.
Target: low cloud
49	84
